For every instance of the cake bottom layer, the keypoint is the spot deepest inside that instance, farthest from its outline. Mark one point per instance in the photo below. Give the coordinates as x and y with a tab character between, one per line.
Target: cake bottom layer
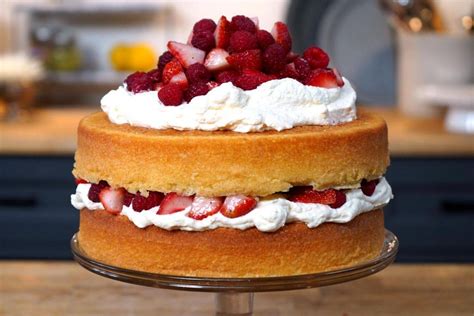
225	252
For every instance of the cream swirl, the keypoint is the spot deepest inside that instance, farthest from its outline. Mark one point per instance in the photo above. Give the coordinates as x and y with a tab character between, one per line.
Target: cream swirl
274	105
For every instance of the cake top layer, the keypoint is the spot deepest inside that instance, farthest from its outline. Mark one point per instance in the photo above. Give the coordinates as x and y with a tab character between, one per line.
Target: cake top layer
232	75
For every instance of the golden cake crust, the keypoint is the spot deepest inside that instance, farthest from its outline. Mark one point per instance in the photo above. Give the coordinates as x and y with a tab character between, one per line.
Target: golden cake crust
224	252
224	162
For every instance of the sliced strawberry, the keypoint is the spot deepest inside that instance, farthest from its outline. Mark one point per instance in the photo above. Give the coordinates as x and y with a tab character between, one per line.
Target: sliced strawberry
216	60
324	78
250	59
190	38
339	80
80	181
222	33
237	205
282	35
203	207
173	202
368	187
171	69
306	194
112	199
186	54
180	80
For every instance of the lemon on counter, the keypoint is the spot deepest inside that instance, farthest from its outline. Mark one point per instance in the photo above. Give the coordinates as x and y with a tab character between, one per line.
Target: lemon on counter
138	57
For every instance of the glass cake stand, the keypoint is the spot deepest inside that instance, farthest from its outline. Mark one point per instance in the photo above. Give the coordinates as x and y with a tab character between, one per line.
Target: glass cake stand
234	296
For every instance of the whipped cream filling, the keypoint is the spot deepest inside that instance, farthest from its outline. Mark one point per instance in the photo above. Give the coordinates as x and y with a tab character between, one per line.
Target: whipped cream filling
269	215
274	105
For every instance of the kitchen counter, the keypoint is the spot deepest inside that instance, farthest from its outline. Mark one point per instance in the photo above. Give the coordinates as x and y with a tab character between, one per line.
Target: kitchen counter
64	288
53	132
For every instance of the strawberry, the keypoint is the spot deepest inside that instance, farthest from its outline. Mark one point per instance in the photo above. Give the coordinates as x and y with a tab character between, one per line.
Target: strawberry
368	187
306	194
316	57
112	199
237	205
338	75
171	69
180	80
165	58
173	202
216	60
203	207
222	33
186	54
250	59
80	181
282	35
324	78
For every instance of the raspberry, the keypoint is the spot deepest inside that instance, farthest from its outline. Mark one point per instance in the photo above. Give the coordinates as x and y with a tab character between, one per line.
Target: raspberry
274	58
302	67
251	80
250	59
242	23
195	89
138	82
198	72
241	41
204	25
165	58
154	199
139	202
127	199
227	76
289	72
95	189
264	39
171	94
316	57
204	41
368	187
154	75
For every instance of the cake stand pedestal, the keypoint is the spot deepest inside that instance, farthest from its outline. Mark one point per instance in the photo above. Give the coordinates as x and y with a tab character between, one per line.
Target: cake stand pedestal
234	296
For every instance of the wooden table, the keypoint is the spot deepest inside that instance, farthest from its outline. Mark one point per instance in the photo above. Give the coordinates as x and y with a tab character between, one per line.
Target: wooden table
64	288
53	132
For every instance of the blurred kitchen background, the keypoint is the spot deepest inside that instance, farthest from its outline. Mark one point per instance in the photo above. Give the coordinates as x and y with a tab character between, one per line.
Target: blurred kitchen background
412	61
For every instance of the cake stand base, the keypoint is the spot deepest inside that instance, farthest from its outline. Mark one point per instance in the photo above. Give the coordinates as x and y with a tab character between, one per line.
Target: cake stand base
234	296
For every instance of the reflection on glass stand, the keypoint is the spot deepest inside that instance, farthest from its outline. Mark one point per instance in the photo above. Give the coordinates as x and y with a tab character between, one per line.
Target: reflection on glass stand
234	296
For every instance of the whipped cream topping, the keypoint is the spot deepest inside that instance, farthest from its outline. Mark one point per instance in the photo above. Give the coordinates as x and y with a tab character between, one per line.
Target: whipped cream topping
274	105
269	215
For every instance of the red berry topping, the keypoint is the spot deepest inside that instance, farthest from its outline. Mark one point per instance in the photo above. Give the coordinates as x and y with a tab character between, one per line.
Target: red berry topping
274	58
227	76
339	80
204	41
251	79
324	78
368	187
140	202
165	58
216	60
198	72
171	94
155	75
138	82
250	59
302	67
80	181
306	194
194	90
127	199
264	39
95	189
112	199
173	202
289	72
316	57
180	80
212	84
291	57
282	35
241	41
203	207
204	25
186	54
237	205
242	23
171	69
222	33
